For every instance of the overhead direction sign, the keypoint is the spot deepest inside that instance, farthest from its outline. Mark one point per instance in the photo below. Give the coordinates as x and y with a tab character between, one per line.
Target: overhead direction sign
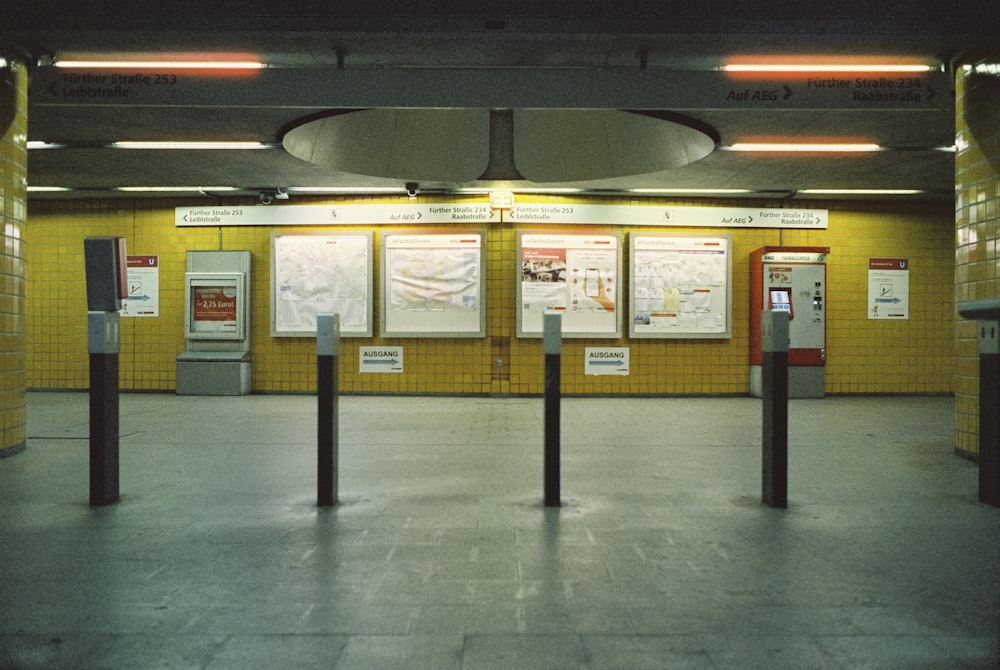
510	88
564	213
311	215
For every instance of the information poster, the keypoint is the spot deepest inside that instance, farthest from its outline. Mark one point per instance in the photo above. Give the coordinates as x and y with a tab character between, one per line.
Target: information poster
321	274
143	287
680	286
213	309
577	275
888	288
433	284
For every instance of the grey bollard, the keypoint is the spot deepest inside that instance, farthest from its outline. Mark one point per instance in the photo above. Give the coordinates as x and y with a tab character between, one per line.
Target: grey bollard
552	344
103	344
774	424
327	394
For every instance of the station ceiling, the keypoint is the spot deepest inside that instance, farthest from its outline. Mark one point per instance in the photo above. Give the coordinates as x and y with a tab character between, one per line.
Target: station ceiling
611	78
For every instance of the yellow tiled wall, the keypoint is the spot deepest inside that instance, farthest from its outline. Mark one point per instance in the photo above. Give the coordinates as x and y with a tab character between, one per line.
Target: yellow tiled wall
13	204
977	218
913	356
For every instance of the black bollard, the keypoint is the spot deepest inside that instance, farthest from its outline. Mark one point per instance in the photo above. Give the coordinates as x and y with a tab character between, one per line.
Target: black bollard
552	344
986	312
989	412
103	345
327	394
774	424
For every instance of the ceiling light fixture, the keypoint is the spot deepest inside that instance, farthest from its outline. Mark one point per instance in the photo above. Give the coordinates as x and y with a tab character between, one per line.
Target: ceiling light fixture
806	68
832	147
859	191
160	64
48	189
174	189
697	191
150	144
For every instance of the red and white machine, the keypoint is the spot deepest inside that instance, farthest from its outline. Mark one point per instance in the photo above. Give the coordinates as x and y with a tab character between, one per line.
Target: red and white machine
793	280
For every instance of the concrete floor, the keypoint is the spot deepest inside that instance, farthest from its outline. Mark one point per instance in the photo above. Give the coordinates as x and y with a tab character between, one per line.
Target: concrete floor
442	556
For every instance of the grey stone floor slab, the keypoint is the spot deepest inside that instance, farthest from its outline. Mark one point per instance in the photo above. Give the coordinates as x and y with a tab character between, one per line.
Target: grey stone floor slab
441	554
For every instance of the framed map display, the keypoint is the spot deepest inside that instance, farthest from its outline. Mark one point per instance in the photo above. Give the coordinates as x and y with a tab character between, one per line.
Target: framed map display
433	284
577	275
321	274
679	286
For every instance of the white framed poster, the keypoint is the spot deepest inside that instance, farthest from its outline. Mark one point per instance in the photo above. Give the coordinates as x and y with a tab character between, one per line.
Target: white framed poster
433	284
679	286
577	275
888	288
321	274
143	287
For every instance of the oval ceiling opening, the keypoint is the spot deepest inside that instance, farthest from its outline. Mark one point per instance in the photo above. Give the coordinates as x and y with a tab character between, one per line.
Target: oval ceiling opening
469	145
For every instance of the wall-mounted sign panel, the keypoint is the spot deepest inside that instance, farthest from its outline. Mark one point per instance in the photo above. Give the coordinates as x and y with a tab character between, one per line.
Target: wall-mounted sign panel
606	361
433	284
888	288
321	274
577	275
380	360
679	286
143	299
339	215
523	213
688	217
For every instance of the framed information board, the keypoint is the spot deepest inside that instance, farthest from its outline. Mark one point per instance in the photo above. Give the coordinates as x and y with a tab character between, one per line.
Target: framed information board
577	275
321	274
433	284
679	286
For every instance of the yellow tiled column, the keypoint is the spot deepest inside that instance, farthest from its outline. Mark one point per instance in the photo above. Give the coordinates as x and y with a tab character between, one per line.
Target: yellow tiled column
977	218
13	212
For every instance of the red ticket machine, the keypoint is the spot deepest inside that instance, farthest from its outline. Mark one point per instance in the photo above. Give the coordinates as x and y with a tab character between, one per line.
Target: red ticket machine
792	280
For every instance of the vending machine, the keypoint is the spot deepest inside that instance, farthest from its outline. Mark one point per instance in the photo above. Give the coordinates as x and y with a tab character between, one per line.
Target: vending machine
216	359
792	280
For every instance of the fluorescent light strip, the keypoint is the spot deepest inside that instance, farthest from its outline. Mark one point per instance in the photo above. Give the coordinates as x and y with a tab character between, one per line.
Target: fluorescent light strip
160	65
860	191
38	144
822	68
699	191
170	189
48	189
189	145
345	189
800	147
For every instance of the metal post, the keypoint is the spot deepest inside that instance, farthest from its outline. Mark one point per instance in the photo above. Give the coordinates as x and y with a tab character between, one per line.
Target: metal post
327	432
103	343
988	344
553	348
774	387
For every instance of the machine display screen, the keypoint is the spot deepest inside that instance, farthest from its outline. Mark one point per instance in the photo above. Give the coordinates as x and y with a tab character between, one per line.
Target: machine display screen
781	300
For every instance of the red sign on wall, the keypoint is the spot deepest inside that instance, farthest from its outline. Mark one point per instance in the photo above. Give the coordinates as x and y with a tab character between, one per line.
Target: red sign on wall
214	303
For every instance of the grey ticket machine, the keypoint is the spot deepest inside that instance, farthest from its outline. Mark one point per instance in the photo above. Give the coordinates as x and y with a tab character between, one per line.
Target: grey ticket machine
216	359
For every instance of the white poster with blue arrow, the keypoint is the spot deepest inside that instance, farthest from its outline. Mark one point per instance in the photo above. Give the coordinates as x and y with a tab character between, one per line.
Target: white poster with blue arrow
605	361
143	298
888	288
380	359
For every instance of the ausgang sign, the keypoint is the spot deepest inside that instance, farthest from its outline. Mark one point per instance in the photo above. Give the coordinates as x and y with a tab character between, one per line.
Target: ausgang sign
380	359
606	361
